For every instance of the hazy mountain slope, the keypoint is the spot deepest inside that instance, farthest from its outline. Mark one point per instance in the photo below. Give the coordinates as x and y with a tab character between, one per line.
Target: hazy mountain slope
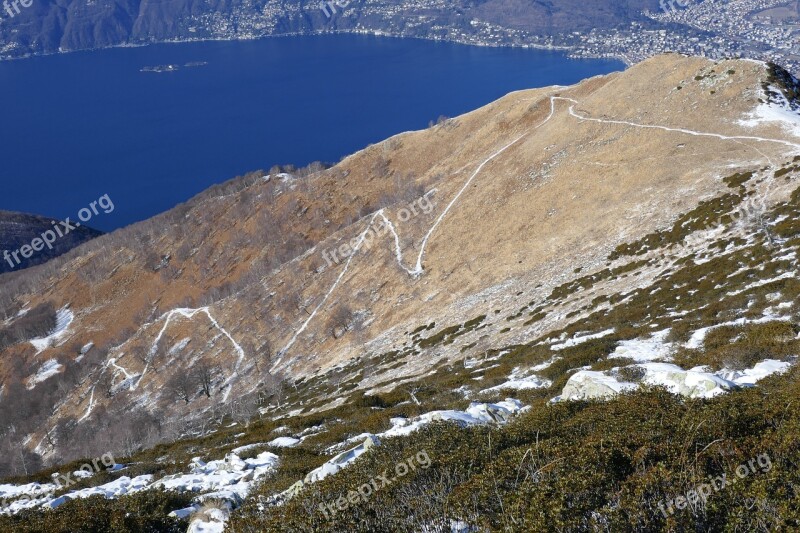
50	26
19	229
552	18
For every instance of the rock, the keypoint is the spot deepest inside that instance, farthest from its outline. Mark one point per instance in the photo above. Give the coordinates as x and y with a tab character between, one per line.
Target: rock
591	385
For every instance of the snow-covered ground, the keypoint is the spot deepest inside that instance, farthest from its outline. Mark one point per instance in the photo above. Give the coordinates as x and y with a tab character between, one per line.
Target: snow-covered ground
568	343
476	414
179	346
772	112
8	492
284	442
645	350
64	318
49	369
84	350
228	480
693	383
35	495
753	375
698	337
119	487
519	380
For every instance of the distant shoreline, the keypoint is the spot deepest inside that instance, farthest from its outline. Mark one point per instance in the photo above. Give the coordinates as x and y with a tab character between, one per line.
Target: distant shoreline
374	33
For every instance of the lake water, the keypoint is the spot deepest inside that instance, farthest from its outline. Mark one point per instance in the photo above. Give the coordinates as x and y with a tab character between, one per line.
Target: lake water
77	126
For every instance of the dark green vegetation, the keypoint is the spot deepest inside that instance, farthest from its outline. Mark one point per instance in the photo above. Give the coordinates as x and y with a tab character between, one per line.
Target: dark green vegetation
449	335
706	215
144	512
603	466
784	81
577	467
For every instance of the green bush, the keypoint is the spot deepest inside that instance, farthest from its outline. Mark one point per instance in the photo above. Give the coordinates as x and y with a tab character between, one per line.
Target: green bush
143	512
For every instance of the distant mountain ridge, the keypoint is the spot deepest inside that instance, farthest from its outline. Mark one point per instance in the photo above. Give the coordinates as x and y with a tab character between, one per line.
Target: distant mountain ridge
629	30
20	229
49	26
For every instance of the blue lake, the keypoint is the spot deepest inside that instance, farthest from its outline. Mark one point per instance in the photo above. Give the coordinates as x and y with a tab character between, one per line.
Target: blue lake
77	126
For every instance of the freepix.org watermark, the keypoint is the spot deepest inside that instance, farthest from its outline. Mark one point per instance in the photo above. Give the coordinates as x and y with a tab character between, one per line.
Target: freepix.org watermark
59	230
12	7
336	255
64	481
401	469
668	6
703	491
332	5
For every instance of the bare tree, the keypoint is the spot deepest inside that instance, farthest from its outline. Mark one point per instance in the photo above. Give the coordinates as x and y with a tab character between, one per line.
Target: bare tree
299	303
272	390
262	356
105	384
28	462
141	354
339	321
181	386
265	354
204	374
381	167
243	409
413	391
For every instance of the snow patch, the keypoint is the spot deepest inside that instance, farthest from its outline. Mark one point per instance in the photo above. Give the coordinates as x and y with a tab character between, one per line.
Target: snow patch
231	475
119	487
518	381
49	369
546	364
476	414
8	492
211	521
581	339
284	442
693	383
697	338
645	350
179	346
229	479
770	112
753	375
64	318
241	449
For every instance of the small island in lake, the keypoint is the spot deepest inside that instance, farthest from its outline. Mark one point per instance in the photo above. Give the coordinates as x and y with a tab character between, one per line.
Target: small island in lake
174	68
160	68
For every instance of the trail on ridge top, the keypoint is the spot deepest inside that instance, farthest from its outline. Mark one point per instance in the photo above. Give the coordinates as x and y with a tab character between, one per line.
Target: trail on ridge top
418	269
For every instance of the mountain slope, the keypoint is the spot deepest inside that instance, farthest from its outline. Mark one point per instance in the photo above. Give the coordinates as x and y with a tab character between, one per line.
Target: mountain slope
526	242
19	229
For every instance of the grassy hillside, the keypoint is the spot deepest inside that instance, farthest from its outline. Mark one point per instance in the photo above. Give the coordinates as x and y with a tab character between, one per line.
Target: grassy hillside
647	460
